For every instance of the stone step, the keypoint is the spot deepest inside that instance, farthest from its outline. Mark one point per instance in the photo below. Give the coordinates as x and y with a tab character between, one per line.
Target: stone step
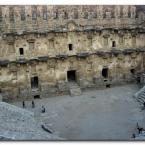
142	92
141	100
74	89
142	96
75	92
73	84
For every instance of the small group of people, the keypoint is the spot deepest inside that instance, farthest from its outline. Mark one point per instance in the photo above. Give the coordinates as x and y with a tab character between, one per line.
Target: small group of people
43	110
140	129
24	106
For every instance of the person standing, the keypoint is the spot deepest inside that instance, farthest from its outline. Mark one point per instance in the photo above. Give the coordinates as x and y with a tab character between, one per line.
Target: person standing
33	104
43	109
23	103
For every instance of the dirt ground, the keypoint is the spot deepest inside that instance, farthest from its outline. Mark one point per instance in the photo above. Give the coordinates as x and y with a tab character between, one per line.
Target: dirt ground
109	114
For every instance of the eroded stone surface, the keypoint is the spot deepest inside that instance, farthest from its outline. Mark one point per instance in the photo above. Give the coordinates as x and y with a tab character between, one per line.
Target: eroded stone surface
20	124
39	45
110	114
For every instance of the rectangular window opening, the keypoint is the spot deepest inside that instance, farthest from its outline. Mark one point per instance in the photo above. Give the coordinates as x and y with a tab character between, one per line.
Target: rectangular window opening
37	97
21	50
70	47
113	44
71	75
105	72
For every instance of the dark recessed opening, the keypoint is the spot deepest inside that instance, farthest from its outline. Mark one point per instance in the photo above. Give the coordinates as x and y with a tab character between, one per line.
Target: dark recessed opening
21	50
108	86
71	75
105	72
132	71
34	82
70	47
113	44
37	97
116	31
138	79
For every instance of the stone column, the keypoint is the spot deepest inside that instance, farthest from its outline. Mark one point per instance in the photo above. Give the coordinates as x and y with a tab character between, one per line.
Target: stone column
133	11
100	11
117	11
125	11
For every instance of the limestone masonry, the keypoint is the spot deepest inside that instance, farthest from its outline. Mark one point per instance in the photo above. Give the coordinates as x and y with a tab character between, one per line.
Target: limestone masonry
48	49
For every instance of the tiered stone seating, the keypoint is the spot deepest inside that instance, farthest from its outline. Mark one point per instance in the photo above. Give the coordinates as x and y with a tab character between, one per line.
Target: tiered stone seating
140	95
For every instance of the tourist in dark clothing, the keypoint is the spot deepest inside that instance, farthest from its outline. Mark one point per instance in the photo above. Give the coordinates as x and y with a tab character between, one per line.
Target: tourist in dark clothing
33	104
43	109
140	129
23	104
133	135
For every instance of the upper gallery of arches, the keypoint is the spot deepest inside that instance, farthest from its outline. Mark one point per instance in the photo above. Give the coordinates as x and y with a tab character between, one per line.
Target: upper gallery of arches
45	18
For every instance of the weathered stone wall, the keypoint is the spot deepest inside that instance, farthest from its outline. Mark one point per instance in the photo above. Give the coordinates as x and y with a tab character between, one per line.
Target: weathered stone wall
47	18
52	44
53	73
111	37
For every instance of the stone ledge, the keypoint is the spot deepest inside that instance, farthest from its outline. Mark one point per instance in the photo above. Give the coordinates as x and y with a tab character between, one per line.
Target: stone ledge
100	53
4	62
43	58
83	54
22	61
61	56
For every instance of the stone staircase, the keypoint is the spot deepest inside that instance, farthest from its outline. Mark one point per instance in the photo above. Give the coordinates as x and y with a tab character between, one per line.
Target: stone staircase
140	95
74	89
20	124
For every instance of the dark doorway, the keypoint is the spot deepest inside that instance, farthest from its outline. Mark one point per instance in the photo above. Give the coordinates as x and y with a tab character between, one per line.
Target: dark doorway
108	86
113	44
71	75
21	51
138	80
37	97
34	82
132	71
105	72
70	47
